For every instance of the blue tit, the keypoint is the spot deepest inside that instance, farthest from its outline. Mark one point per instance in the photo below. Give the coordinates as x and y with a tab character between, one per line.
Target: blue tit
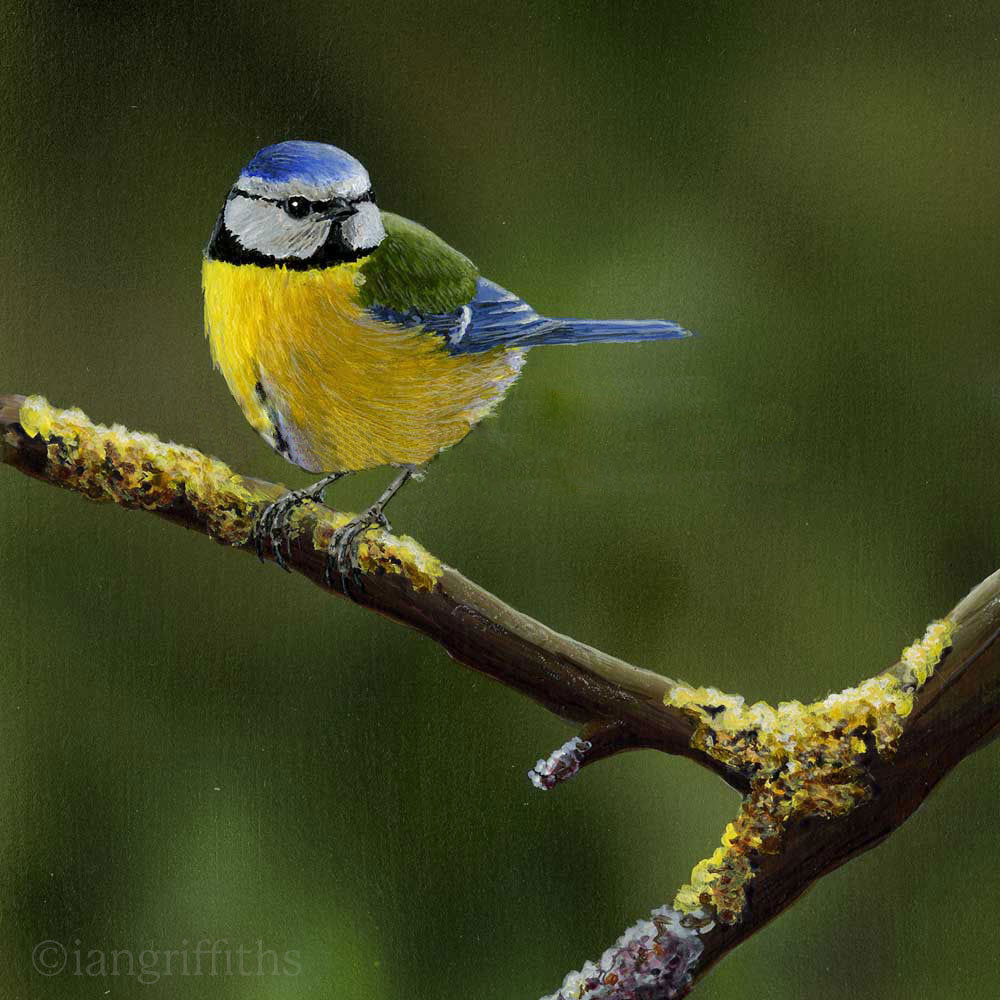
353	338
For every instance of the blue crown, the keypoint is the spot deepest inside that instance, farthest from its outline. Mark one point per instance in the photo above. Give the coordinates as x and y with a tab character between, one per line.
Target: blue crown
313	162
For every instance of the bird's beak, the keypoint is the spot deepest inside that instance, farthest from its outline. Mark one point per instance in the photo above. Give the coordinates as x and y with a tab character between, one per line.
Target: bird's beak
339	213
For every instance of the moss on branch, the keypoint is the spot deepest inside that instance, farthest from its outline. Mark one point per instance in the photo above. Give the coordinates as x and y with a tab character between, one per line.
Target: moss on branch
800	760
138	470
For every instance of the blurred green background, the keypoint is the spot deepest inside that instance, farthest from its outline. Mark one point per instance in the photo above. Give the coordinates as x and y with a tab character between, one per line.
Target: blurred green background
199	747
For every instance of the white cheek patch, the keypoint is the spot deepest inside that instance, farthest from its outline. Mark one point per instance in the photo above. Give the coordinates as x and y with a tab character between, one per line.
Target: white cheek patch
268	229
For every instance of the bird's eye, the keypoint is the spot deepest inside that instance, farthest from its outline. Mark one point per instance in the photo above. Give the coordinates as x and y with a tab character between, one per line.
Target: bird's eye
297	208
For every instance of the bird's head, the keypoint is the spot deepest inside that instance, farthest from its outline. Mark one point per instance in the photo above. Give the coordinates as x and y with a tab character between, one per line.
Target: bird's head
300	205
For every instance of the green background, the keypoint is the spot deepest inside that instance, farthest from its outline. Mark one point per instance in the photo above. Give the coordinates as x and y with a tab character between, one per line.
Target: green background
197	746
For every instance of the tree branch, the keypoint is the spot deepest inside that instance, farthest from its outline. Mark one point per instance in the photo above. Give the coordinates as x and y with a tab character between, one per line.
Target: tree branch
821	783
401	581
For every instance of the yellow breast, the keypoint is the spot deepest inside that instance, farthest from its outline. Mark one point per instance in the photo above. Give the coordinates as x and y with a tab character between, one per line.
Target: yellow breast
331	387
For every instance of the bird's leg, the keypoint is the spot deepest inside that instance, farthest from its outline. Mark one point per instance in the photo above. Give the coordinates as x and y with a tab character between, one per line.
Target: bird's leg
343	551
272	526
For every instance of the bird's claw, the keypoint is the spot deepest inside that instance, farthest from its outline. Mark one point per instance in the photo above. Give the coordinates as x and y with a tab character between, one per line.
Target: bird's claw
271	530
342	554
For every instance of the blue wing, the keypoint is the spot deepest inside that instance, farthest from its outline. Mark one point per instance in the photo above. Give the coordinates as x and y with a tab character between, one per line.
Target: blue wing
497	318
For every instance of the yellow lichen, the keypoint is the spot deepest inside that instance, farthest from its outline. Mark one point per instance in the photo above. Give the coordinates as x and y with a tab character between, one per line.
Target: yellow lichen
35	416
138	470
799	760
379	551
920	659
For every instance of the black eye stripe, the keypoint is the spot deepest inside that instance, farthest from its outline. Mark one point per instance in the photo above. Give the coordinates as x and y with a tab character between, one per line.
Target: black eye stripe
314	206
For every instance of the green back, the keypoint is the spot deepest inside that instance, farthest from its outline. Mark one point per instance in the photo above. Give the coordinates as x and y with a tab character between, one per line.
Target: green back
414	269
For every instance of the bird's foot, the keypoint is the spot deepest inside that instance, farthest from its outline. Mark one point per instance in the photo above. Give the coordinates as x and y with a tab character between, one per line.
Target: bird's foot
272	529
342	555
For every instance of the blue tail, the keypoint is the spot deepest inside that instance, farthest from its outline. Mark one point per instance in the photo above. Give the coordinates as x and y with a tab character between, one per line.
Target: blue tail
496	318
597	331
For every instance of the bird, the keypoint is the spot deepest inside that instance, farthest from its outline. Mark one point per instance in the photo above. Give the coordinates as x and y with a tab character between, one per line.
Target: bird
353	338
